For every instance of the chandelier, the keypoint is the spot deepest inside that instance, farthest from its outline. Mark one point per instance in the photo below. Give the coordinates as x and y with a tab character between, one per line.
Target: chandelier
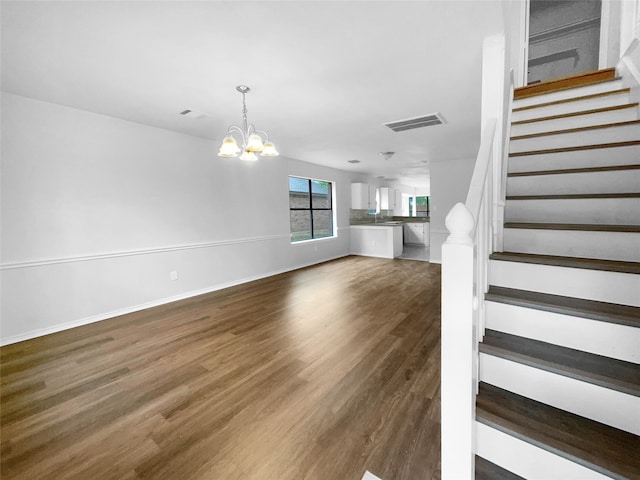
252	140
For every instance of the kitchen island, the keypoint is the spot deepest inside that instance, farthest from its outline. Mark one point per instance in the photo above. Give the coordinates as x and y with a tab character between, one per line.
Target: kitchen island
377	239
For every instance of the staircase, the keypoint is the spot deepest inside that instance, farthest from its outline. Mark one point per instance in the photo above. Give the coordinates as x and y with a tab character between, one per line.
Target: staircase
559	372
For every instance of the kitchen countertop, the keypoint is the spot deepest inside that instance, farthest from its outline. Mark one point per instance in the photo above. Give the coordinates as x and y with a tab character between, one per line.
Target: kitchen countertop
379	224
391	223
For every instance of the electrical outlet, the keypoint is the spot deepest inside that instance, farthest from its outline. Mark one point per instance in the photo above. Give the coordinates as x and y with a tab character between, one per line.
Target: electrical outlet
173	275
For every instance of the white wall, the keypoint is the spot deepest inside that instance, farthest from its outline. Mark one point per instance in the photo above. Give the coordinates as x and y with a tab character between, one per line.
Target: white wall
450	181
629	23
514	18
97	211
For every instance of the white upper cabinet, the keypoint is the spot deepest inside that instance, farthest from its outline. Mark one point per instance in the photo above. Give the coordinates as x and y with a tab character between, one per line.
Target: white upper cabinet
398	208
387	198
363	196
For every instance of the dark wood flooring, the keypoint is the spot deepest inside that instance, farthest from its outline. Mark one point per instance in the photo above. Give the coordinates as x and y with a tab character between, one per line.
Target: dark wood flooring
321	373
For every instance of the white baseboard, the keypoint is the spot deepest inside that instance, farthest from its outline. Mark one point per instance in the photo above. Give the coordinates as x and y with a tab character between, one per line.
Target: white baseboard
143	306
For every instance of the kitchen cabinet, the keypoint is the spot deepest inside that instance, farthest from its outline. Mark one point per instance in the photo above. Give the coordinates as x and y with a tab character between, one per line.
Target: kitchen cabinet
398	205
376	240
416	233
363	196
387	198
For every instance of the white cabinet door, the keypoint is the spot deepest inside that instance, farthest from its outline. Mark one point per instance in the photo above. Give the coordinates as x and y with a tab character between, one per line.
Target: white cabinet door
361	196
414	233
387	198
398	208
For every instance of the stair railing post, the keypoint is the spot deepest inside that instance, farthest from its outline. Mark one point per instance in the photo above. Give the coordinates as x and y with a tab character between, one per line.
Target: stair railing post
459	347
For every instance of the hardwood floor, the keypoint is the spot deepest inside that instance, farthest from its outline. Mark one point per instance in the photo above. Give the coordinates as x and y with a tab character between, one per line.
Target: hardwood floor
321	373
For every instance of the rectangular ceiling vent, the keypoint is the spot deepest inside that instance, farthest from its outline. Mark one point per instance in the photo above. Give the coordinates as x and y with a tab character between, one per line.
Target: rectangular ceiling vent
417	122
192	114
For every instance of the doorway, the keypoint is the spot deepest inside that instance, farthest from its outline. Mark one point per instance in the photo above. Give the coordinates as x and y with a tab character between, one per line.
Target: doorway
563	39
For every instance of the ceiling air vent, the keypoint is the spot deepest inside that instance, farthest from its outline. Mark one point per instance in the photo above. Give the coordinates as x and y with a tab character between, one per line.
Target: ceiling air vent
192	114
417	122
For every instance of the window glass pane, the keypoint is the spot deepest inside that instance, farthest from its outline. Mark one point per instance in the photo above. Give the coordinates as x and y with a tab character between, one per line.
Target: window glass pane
298	193
422	206
300	225
321	194
322	223
310	204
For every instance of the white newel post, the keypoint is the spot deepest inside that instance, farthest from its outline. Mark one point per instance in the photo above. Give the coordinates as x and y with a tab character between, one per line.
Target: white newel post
458	349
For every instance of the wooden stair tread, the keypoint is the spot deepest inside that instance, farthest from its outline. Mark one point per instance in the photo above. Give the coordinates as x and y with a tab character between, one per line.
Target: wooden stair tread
486	470
579	307
576	130
576	114
597	446
562	171
576	148
573	196
566	82
588	367
571	262
591	227
573	99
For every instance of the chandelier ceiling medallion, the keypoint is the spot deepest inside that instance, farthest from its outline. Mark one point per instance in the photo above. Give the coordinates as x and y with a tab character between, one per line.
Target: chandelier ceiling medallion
252	140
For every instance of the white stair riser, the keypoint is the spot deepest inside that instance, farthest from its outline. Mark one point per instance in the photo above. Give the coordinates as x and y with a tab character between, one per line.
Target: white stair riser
602	286
613	340
622	246
574	106
527	460
613	181
568	93
575	396
622	211
576	121
599	157
575	139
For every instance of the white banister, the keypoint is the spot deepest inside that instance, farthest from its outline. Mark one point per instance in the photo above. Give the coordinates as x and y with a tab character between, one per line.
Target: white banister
481	170
475	232
457	391
464	279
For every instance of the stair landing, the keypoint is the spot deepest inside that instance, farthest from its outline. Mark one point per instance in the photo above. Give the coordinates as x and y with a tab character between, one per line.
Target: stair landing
566	82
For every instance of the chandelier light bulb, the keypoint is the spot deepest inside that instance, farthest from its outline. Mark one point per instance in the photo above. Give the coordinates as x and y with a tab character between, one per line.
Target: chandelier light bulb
229	147
269	150
255	143
248	156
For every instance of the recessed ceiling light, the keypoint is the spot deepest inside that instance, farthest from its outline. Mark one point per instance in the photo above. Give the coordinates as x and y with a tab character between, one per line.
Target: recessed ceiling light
353	161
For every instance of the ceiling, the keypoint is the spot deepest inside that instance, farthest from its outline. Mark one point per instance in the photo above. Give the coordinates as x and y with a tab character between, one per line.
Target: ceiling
324	75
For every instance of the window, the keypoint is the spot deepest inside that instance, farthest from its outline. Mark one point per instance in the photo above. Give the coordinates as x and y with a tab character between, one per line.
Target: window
421	206
310	209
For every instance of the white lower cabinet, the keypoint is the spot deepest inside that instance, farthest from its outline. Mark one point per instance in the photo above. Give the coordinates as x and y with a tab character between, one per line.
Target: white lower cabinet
376	240
416	233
